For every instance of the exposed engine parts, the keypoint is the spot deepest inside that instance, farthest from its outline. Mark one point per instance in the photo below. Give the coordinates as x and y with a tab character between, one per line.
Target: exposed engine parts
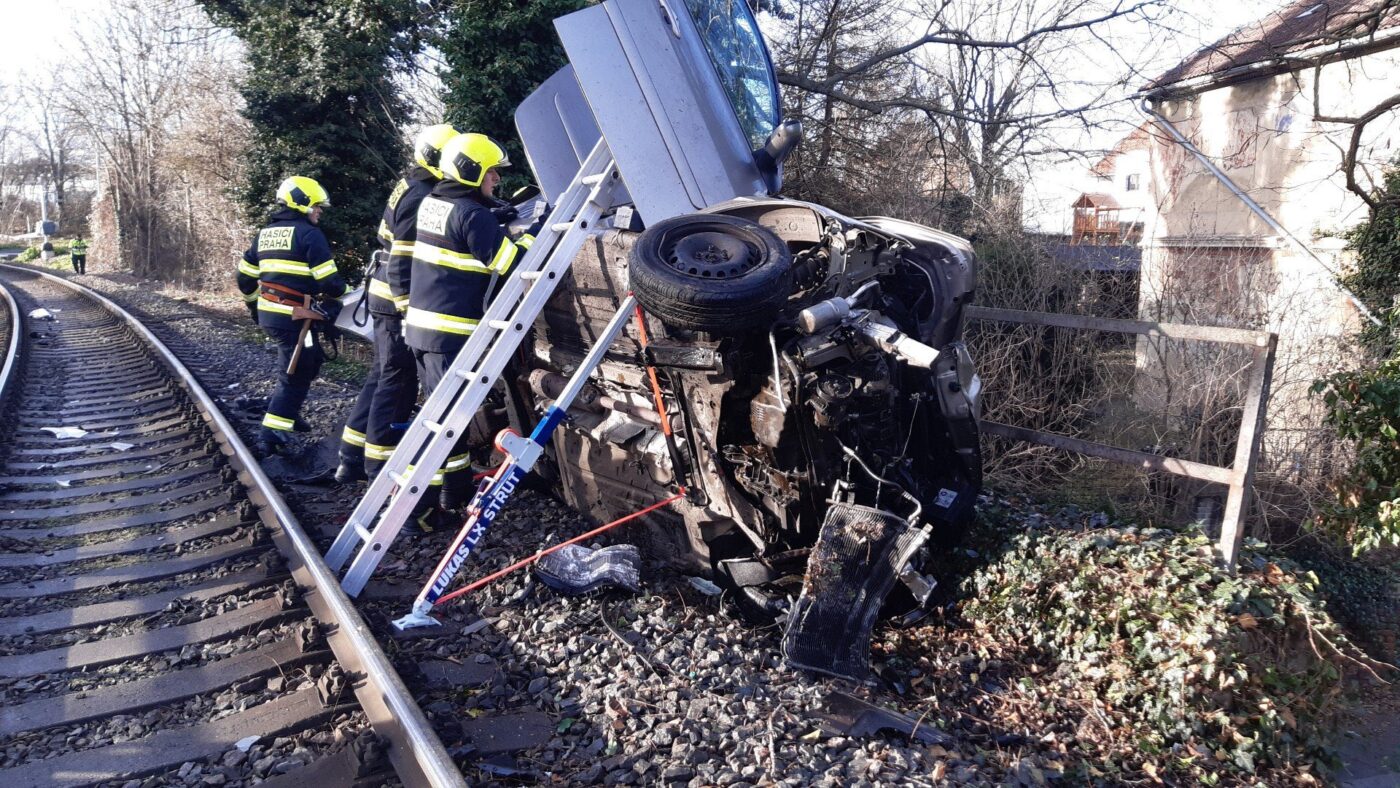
816	394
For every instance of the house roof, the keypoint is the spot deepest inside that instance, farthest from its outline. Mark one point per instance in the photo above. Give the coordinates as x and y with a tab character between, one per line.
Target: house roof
1096	200
1292	29
1138	139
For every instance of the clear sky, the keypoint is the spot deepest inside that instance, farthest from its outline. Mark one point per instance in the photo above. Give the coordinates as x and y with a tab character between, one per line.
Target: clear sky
34	30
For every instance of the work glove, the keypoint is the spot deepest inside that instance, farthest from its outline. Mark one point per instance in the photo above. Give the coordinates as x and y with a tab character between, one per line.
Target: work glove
539	222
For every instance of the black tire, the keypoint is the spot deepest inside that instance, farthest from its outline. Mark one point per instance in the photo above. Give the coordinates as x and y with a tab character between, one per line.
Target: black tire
710	272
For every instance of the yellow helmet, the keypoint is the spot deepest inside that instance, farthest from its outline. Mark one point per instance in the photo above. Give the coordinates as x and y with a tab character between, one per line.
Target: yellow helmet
302	194
466	158
427	146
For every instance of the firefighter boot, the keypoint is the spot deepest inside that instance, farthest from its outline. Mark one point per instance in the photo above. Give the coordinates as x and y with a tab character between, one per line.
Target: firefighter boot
351	470
269	442
426	520
457	491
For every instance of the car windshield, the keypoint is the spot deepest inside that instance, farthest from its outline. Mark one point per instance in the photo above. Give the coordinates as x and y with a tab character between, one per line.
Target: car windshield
733	42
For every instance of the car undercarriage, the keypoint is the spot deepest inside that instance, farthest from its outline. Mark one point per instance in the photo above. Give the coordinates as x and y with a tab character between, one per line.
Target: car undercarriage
822	410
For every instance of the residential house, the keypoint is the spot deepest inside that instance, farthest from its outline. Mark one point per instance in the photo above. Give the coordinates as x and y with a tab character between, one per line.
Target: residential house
1247	179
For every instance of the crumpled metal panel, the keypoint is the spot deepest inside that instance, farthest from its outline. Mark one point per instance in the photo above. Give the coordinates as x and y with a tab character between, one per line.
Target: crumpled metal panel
858	556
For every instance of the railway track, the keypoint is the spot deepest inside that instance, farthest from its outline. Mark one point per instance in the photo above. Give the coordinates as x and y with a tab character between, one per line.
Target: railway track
162	613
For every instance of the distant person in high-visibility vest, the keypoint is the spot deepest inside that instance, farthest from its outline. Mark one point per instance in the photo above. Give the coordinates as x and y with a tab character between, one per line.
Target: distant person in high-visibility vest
77	253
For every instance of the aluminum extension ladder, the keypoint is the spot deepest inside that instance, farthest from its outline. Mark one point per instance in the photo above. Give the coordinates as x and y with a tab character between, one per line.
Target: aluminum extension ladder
450	407
522	452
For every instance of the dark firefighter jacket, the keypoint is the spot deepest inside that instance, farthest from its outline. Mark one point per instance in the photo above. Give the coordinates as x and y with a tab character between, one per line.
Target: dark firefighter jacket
292	252
458	248
388	289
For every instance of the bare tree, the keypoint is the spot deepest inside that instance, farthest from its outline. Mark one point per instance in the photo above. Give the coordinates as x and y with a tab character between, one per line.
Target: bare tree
56	139
984	88
138	83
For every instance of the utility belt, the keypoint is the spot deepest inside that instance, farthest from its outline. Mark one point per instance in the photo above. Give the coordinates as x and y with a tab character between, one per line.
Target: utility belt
281	294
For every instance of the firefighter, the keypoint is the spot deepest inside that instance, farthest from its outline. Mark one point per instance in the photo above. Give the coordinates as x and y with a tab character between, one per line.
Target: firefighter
288	262
459	254
77	254
391	387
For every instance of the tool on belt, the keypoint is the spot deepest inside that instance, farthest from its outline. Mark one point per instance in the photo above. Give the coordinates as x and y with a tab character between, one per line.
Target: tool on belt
303	310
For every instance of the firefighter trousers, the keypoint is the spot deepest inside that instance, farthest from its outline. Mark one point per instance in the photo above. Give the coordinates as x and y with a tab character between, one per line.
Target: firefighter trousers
284	407
456	473
382	409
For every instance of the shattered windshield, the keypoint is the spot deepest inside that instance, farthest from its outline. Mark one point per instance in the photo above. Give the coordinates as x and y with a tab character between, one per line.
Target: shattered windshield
733	42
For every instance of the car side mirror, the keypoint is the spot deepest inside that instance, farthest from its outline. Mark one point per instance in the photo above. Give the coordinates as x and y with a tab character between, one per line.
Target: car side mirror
783	140
770	157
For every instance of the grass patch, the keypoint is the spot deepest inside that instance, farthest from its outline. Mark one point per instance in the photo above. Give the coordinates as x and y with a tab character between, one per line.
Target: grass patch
345	370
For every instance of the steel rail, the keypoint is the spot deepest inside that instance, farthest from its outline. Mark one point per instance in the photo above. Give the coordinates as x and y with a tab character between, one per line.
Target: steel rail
12	352
415	750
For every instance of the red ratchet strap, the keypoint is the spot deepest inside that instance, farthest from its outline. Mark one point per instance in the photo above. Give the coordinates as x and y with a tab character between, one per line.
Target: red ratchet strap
537	556
281	294
665	427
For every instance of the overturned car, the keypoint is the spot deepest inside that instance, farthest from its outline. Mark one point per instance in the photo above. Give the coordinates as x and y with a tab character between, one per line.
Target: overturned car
821	411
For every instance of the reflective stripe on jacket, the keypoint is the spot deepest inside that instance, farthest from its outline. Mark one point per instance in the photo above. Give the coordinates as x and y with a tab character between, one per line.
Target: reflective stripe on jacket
458	248
388	290
292	252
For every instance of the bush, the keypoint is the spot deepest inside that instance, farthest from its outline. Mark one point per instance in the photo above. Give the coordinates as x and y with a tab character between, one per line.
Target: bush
1193	672
29	255
1364	408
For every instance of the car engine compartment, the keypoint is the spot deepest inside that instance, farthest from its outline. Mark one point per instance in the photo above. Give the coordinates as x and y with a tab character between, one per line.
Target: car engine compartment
822	410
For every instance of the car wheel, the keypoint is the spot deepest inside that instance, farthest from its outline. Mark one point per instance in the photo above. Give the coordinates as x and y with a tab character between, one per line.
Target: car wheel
709	272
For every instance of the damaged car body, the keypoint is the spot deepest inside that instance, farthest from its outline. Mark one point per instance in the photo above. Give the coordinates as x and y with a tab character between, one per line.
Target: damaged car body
820	408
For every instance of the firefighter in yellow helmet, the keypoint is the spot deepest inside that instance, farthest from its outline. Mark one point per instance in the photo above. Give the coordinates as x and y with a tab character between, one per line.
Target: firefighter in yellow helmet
369	436
460	252
288	260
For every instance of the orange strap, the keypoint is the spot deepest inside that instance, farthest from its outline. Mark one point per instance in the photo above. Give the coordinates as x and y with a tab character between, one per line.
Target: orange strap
651	373
275	293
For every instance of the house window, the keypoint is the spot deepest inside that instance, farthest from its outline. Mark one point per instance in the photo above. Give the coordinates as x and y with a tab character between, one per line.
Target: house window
1133	183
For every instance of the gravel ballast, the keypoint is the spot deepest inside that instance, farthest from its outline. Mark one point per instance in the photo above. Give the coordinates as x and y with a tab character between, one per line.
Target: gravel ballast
666	687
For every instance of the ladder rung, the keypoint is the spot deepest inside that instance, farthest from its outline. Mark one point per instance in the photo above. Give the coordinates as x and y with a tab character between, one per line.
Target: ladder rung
530	276
433	426
400	479
589	180
499	325
560	227
365	534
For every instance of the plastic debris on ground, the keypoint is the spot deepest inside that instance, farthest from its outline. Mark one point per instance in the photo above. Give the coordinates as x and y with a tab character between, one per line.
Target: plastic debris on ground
41	314
64	433
121	446
576	569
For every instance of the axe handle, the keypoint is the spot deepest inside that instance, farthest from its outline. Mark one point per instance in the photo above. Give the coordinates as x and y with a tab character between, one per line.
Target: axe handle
301	341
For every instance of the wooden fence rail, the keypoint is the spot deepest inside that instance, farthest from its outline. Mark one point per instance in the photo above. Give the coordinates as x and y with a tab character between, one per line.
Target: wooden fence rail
1239	477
